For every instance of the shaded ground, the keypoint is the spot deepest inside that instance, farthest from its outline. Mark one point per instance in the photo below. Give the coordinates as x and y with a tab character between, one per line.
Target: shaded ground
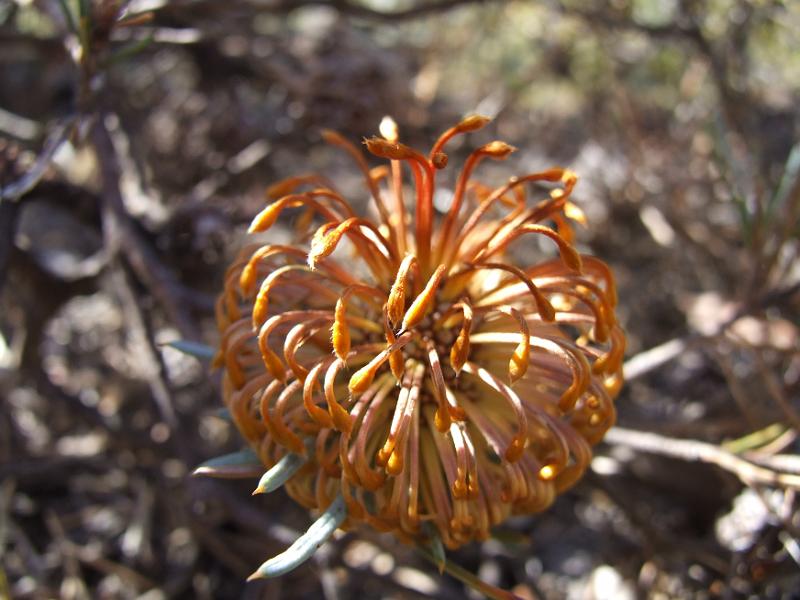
682	122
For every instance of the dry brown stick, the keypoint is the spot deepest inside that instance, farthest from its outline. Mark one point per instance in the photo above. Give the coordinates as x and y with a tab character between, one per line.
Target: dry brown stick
33	562
696	451
776	391
7	489
735	108
216	544
123	239
688	30
9	215
153	365
655	541
70	563
738	393
37	471
420	9
122	236
13	191
242	510
137	539
350	8
787	463
450	588
784	230
765	454
652	358
85	554
19	127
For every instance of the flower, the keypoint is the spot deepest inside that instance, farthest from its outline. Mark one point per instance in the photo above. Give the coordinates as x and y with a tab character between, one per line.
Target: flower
407	364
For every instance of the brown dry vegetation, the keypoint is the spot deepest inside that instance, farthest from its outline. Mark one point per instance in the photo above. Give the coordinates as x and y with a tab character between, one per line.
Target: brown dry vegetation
128	178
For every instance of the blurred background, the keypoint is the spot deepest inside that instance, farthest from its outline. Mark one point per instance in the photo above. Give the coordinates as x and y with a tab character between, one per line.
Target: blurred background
136	140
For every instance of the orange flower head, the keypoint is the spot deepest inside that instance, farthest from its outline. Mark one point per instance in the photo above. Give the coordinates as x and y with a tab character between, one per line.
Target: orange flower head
405	366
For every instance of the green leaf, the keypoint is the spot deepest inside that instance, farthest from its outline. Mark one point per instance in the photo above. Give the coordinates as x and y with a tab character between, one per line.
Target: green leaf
280	473
435	546
128	50
790	174
195	349
237	465
84	34
756	439
745	218
68	16
304	547
223	413
510	537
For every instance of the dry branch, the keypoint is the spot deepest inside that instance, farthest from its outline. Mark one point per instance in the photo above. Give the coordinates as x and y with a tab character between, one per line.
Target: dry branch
696	451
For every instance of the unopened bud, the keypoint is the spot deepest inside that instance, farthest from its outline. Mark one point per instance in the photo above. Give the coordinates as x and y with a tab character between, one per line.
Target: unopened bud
391	150
267	217
362	379
459	353
326	239
396	304
472	123
497	150
423	302
340	332
574	212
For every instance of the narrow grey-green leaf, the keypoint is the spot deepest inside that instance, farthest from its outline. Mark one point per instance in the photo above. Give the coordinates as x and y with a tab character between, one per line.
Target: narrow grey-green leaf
790	174
435	546
128	51
68	17
510	537
280	473
85	25
304	546
237	465
223	413
192	349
